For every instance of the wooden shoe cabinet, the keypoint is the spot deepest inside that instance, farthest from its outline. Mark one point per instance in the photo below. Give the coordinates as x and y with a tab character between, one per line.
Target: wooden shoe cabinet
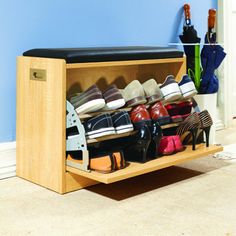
42	87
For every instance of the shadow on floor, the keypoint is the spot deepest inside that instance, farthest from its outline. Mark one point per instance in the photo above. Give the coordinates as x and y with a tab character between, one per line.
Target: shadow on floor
144	183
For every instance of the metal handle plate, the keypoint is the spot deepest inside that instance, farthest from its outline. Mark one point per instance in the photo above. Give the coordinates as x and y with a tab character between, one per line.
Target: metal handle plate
38	74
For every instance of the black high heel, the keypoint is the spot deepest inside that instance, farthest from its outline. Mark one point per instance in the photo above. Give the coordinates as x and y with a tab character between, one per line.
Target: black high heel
206	123
136	149
156	133
207	133
194	138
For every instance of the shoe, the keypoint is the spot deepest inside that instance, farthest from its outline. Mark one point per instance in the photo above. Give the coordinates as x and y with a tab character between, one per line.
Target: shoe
134	94
179	111
206	123
119	160
89	101
113	98
174	112
185	108
190	124
159	113
205	126
102	164
187	87
156	133
152	91
140	116
99	126
137	146
121	122
170	89
177	142
167	146
92	89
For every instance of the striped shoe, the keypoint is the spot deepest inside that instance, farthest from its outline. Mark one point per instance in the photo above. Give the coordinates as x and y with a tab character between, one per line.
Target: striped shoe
99	126
113	98
88	101
121	122
191	124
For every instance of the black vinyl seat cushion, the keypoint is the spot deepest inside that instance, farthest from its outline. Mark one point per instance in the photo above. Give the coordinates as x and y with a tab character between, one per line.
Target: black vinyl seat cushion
94	54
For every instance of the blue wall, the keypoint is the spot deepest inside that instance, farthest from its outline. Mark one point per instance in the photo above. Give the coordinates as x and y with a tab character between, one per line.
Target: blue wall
30	24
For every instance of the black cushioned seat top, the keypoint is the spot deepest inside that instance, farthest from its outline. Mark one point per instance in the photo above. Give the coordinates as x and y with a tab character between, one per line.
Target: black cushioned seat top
93	54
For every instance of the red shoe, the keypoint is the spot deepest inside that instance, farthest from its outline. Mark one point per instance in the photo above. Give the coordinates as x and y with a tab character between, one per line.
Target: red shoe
159	113
177	142
174	112
140	116
166	146
179	111
185	109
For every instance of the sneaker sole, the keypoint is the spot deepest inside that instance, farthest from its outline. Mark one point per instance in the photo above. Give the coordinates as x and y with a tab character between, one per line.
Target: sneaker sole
115	104
91	106
124	129
171	92
174	96
190	94
188	90
100	132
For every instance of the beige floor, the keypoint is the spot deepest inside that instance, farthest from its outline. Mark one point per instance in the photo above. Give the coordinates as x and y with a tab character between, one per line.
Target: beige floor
198	198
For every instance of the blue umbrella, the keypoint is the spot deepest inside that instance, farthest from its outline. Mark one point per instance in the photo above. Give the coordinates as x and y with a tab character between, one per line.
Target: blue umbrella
212	56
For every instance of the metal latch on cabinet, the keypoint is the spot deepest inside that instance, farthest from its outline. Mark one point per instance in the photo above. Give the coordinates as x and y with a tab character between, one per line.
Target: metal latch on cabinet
76	141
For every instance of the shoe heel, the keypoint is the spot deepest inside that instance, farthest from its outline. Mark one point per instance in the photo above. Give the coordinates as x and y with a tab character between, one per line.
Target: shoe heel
156	133
194	138
136	154
152	151
207	133
143	154
137	150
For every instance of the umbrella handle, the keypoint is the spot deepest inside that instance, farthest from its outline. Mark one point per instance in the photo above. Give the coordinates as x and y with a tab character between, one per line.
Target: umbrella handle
211	19
187	14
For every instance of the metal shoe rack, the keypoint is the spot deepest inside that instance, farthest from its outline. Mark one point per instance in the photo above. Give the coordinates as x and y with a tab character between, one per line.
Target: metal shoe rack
43	115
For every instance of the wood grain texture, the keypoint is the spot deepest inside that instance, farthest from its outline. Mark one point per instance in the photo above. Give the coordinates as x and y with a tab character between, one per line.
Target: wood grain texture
83	75
76	182
135	169
41	116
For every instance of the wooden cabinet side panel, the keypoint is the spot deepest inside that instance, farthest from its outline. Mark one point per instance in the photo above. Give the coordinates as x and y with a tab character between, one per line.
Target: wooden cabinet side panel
41	116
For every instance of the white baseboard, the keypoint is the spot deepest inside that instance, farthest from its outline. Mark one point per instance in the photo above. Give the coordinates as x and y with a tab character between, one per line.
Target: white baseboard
219	125
7	160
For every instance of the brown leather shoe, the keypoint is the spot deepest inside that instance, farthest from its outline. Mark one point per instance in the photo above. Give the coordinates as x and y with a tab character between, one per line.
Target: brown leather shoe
140	116
159	113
